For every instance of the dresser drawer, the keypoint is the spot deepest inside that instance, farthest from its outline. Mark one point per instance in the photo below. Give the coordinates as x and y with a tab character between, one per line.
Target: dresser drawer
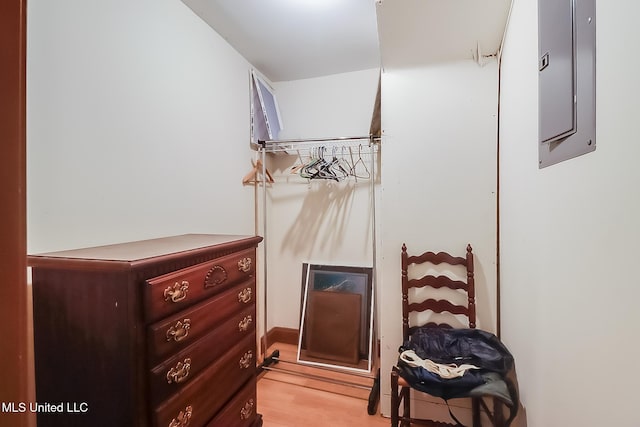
199	400
179	330
175	291
241	411
174	373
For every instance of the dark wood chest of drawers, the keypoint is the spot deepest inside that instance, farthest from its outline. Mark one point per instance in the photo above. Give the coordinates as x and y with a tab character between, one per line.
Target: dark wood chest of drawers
157	333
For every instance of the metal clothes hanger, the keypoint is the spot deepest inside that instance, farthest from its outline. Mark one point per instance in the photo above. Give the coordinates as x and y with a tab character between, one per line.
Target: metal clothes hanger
336	169
343	164
310	170
354	171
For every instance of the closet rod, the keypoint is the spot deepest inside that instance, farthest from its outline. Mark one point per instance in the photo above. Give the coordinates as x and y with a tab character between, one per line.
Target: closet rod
266	144
365	149
337	139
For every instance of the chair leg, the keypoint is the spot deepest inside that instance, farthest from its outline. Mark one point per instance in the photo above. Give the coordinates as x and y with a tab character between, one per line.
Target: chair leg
475	412
395	399
398	395
498	415
406	400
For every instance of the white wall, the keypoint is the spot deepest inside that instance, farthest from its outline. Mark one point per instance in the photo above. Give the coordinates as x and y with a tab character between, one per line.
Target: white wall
137	124
330	106
438	182
569	236
322	222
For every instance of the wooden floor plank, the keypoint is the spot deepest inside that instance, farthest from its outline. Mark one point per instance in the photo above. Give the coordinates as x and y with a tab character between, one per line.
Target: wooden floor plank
288	405
287	400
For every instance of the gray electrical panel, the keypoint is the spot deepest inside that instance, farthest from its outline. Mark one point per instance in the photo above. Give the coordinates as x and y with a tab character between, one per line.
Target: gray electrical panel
566	64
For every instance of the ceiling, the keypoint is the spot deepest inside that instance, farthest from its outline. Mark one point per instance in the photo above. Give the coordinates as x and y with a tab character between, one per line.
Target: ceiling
419	32
298	39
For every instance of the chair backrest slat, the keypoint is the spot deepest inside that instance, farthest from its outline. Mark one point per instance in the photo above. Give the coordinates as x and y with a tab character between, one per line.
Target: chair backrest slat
438	306
438	282
436	258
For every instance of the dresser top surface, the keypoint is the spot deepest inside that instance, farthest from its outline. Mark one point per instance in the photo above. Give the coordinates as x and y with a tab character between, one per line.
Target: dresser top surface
145	249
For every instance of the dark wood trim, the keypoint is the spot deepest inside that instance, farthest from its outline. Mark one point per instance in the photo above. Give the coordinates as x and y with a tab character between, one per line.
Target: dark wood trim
282	335
498	114
13	246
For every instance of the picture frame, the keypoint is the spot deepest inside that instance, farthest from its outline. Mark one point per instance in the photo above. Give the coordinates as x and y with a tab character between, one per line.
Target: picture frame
350	281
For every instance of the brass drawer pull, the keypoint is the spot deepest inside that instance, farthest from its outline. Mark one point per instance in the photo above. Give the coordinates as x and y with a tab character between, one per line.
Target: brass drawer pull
245	361
244	324
177	292
247	410
183	418
179	331
244	295
244	265
180	372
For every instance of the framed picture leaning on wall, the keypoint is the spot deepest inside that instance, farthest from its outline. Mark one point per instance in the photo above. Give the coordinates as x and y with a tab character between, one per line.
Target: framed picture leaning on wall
336	322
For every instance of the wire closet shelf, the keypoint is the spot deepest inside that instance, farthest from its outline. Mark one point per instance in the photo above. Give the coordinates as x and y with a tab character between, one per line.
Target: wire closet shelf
291	145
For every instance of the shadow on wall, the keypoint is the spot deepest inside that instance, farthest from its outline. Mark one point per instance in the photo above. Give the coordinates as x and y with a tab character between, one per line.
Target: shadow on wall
323	220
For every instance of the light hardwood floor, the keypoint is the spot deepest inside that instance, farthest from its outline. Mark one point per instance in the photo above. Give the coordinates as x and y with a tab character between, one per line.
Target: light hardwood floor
287	400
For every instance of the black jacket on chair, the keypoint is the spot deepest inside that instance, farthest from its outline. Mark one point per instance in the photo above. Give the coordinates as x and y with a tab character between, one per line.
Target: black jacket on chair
460	346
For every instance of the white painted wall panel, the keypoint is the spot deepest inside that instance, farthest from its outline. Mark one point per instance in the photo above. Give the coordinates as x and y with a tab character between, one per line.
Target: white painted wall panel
137	126
569	236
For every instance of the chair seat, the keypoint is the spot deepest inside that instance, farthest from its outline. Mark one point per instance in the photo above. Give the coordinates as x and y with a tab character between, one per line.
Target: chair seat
482	349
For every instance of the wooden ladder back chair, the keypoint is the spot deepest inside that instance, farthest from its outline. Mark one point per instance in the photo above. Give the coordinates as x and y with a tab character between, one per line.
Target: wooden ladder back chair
417	302
437	282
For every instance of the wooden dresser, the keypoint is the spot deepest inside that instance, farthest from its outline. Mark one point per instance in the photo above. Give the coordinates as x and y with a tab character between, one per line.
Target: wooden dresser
152	333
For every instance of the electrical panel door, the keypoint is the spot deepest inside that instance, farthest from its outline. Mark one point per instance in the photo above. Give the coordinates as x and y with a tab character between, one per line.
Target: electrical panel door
557	69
